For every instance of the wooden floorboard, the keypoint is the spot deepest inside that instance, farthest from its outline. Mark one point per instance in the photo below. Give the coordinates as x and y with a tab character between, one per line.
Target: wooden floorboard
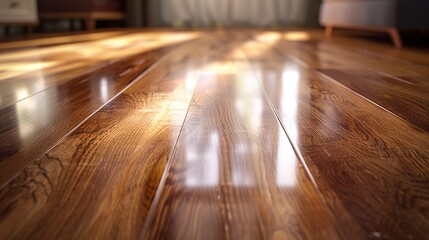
238	134
317	54
43	110
45	40
405	99
112	162
234	174
366	161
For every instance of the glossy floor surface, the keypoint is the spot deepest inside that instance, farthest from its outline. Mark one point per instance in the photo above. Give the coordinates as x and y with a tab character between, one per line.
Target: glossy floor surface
213	135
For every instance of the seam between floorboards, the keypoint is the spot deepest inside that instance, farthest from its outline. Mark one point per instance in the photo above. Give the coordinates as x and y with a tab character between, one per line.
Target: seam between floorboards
324	76
136	79
164	176
329	78
86	73
298	154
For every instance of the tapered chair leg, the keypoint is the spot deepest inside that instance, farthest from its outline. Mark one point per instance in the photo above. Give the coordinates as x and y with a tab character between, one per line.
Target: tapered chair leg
90	24
329	29
396	37
29	30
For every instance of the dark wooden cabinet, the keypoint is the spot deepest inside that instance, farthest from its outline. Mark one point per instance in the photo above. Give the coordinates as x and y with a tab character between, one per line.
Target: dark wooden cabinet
80	5
88	10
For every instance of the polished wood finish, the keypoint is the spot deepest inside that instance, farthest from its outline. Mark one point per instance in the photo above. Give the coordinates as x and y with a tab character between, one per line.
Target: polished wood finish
39	107
156	110
237	178
239	134
403	98
43	40
368	163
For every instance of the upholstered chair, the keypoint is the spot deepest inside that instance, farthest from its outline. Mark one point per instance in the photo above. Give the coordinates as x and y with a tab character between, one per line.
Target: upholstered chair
388	16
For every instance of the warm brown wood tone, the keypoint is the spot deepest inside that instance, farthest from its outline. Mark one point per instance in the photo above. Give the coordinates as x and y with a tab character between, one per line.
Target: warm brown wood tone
234	174
329	30
102	161
240	134
406	99
395	36
366	161
49	39
38	108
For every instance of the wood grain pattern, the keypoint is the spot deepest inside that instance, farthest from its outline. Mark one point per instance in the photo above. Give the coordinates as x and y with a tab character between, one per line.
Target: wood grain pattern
44	109
33	125
234	174
241	134
367	162
405	99
93	178
322	55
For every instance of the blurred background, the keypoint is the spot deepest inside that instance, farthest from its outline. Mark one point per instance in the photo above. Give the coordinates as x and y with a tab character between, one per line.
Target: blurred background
232	13
30	16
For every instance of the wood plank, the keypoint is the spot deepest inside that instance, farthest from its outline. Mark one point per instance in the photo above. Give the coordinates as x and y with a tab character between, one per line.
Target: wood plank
317	54
100	181
405	99
32	126
346	168
408	54
39	69
366	162
234	174
36	40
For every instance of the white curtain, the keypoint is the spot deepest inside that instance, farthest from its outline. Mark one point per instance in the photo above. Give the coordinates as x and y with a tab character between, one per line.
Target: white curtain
201	13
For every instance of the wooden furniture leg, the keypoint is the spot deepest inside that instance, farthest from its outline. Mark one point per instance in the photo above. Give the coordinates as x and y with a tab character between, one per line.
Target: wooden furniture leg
29	30
329	29
90	24
396	37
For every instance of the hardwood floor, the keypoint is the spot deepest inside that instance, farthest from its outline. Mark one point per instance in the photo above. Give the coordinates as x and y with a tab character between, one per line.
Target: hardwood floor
237	134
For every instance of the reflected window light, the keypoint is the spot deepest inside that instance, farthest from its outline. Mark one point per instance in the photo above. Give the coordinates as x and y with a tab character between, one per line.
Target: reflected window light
290	76
26	66
32	111
243	173
117	43
15	69
204	170
286	163
249	99
286	157
104	89
289	100
241	148
296	36
269	37
22	93
242	177
222	68
257	47
20	62
191	80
